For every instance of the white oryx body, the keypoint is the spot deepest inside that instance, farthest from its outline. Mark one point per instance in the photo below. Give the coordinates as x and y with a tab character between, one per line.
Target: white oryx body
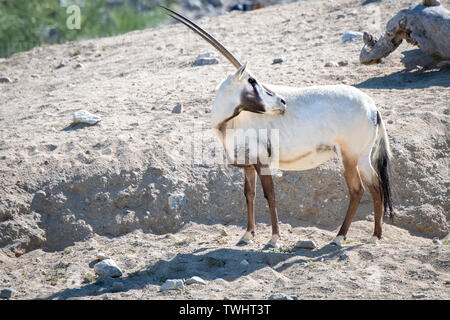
313	124
316	122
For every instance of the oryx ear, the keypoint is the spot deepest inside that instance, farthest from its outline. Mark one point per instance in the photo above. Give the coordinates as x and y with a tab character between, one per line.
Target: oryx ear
240	73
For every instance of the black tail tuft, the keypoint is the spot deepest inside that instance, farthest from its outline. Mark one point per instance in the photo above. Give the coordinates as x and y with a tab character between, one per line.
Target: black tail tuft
382	164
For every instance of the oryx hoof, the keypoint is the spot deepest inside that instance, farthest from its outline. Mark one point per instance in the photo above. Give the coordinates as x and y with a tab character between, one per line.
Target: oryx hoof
274	242
338	241
247	238
373	240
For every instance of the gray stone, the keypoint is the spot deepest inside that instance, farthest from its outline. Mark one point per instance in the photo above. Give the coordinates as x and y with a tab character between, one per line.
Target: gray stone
351	35
244	262
178	108
306	244
436	240
102	256
282	296
173	284
62	63
205	59
5	80
418	295
83	116
6	293
331	64
194	280
278	60
107	268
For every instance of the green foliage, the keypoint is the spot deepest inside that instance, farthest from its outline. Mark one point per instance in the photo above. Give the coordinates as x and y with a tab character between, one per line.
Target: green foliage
25	24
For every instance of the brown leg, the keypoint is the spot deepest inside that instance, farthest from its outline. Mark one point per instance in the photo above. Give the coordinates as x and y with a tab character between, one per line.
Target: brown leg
378	207
249	192
269	194
355	189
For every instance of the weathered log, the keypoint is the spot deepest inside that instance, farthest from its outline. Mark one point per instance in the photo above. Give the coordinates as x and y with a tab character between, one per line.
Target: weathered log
425	25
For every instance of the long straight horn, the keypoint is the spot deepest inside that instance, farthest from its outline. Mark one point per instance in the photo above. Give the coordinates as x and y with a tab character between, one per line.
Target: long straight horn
205	35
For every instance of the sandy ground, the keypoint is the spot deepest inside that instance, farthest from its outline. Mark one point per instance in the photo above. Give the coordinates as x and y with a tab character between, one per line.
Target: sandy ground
70	192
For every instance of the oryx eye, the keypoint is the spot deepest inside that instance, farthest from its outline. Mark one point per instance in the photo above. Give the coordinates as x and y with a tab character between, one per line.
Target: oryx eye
251	81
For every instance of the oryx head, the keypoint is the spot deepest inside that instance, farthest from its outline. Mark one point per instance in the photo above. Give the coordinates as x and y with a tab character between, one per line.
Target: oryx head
240	91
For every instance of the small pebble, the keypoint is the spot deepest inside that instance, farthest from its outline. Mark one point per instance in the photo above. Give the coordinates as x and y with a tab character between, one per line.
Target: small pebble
173	284
244	262
5	80
282	296
195	279
62	63
331	64
6	293
351	35
436	240
306	244
83	116
101	256
278	60
107	268
418	295
178	108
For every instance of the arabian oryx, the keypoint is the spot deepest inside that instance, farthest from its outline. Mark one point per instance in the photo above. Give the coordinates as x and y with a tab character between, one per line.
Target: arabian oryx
313	124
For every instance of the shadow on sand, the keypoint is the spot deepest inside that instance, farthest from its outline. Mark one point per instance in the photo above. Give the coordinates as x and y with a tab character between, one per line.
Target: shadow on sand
420	72
207	264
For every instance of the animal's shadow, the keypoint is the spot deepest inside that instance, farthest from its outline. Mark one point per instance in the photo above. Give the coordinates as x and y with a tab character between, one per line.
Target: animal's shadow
221	263
420	72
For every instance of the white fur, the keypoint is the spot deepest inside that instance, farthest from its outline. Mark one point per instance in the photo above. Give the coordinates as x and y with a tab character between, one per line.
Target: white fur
334	115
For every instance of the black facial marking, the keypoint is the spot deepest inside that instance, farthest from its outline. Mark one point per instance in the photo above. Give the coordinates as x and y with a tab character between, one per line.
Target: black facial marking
251	102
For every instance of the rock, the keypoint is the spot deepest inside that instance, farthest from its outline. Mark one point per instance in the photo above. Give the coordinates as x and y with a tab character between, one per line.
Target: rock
102	256
5	80
418	295
173	284
305	244
331	64
62	63
282	296
244	262
341	16
195	279
204	59
353	278
343	63
6	293
351	35
178	108
78	66
107	268
35	76
117	286
278	60
436	240
82	116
